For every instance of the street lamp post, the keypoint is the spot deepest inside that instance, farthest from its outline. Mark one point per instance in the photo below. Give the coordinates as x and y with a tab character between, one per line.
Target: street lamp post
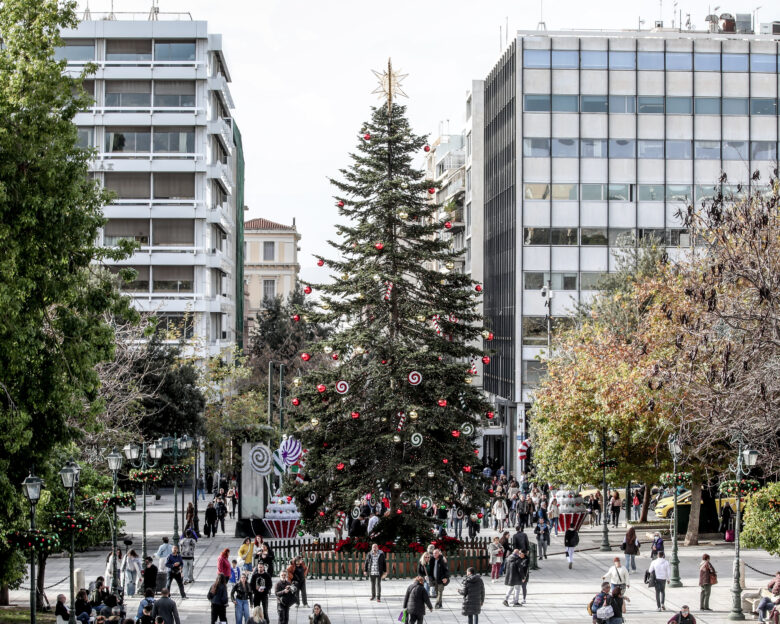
604	436
137	457
676	450
746	459
547	295
32	490
114	459
174	445
70	479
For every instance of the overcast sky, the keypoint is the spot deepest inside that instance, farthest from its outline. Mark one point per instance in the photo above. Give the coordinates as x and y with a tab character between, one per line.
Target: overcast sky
302	78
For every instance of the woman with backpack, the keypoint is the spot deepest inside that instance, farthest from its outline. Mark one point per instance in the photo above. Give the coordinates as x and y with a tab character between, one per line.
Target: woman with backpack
630	546
218	597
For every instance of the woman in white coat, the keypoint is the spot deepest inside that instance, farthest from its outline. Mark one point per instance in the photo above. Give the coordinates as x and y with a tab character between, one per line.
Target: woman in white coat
500	512
109	574
131	569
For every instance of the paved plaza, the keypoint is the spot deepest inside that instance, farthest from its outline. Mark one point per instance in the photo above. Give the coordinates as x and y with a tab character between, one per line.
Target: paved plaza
556	594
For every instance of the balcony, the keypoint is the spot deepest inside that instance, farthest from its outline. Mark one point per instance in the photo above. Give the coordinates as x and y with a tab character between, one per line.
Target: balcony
219	84
221	172
223	129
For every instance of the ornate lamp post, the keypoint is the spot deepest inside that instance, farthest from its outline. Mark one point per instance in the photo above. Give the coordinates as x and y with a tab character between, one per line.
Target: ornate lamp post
32	490
676	450
114	459
604	437
746	459
70	479
137	457
174	445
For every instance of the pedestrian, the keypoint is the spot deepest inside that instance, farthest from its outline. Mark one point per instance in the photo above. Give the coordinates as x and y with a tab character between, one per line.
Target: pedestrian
298	576
684	616
175	565
232	499
223	564
457	522
150	575
520	541
541	513
210	526
83	606
630	547
516	577
258	615
707	578
131	569
506	543
285	597
165	608
146	616
415	601
372	522
766	602
375	566
726	513
637	505
148	599
473	525
661	569
241	594
187	550
202	488
496	557
473	592
266	557
619	601
246	554
657	545
616	575
440	575
553	511
218	597
588	500
522	512
318	616
542	532
597	506
189	517
221	514
570	540
602	599
261	586
162	554
423	567
615	505
499	511
109	574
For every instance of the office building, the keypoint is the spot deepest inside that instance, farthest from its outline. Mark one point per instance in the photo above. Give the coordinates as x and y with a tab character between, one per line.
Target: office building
168	148
593	140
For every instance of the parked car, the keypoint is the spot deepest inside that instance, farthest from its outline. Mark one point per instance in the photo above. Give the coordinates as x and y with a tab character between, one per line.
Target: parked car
665	506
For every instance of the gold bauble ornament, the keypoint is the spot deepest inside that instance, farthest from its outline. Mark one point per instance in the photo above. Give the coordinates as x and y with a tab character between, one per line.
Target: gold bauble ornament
450	265
420	318
412	475
403	215
376	277
383	419
431	474
359	350
413	415
327	349
297	382
485	334
325	306
314	422
345	276
396	438
467	380
442	282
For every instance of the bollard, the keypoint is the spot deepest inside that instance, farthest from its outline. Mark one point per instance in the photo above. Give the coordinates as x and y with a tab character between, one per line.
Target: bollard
533	556
79	580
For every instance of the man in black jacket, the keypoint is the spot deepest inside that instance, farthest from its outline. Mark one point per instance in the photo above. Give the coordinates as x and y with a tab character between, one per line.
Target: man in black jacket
416	600
285	597
520	541
440	574
570	540
261	586
375	566
150	575
166	608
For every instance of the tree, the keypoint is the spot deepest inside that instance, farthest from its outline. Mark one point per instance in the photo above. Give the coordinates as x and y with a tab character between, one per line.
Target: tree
762	520
399	319
52	331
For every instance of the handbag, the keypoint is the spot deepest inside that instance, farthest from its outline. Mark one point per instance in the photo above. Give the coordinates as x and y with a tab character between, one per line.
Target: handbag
605	612
713	576
432	590
402	617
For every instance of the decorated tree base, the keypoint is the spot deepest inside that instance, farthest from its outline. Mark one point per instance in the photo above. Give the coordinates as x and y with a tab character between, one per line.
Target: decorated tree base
282	517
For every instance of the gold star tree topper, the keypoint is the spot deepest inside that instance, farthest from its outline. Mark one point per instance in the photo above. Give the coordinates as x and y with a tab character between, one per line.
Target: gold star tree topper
389	83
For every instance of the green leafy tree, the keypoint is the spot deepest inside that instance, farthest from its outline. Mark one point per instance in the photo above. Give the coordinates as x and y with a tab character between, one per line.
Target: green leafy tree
762	520
398	316
52	331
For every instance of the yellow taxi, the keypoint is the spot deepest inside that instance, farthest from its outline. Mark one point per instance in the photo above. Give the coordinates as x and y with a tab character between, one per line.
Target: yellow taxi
665	506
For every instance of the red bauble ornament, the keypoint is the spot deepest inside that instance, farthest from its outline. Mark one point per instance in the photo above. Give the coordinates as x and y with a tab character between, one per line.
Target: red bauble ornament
305	357
384	361
355	415
367	136
335	356
431	191
307	290
442	402
448	224
476	451
427	148
296	317
480	515
340	466
445	461
424	505
379	246
320	262
455	433
321	388
490	491
490	336
491	414
478	287
289	498
486	359
322	513
296	401
466	468
340	204
399	511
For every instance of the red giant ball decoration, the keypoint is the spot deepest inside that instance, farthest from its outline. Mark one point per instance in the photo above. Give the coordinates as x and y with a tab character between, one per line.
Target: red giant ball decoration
355	415
448	224
478	287
320	262
340	466
427	148
367	136
340	204
486	359
321	388
296	317
305	357
491	414
379	246
466	468
431	191
307	290
335	356
455	433
445	461
296	401
442	402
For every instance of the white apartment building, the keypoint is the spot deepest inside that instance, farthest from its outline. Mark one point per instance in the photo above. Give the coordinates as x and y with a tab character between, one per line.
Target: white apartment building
167	147
592	137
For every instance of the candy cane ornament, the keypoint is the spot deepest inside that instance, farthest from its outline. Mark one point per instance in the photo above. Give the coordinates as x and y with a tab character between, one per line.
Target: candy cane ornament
401	421
436	325
388	290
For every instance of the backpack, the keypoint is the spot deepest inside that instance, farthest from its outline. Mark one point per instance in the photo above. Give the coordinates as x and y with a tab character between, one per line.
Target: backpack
596	601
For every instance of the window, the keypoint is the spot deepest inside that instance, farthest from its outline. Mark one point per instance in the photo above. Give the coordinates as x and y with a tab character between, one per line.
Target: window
651	148
678	150
678	192
534	280
168	139
593	103
565	59
704	192
74	51
269	248
564	191
533	372
763	106
622	148
173	232
174	50
706	150
651	192
706	106
621	237
622	60
534	330
85	137
619	192
679	237
593	192
593	236
172	278
128	185
678	61
563	236
536	148
564	148
536	103
128	93
656	236
174	185
538	190
622	104
650	105
735	150
564	103
590	280
141	281
172	326
218	194
593	148
763	150
706	62
593	59
536	236
735	106
269	289
763	63
174	93
132	139
126	229
678	106
536	59
129	50
735	62
651	60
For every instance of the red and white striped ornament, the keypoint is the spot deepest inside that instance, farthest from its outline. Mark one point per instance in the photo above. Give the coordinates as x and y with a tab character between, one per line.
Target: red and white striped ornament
388	290
401	421
473	367
522	449
436	325
340	518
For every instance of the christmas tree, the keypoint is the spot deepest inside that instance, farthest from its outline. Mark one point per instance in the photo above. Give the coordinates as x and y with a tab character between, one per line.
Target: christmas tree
393	413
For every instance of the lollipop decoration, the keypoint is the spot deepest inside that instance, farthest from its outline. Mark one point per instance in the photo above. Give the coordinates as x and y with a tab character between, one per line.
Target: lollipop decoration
426	502
260	459
290	450
342	387
467	428
416	439
414	378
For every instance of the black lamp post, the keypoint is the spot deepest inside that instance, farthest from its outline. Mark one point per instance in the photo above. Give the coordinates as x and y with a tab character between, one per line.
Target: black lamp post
137	457
114	459
174	445
70	479
32	490
746	459
604	437
675	450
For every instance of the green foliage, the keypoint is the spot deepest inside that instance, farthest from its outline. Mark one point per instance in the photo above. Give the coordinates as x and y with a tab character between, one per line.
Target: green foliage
381	337
762	520
53	330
